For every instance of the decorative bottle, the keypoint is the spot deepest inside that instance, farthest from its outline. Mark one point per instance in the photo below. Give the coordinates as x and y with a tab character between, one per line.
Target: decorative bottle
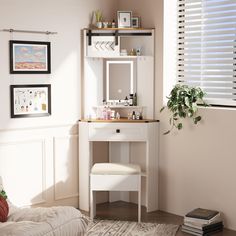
126	101
108	113
133	115
135	102
131	99
113	24
104	113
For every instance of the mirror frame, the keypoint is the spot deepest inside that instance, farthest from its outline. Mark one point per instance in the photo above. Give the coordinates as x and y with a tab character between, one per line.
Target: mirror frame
131	63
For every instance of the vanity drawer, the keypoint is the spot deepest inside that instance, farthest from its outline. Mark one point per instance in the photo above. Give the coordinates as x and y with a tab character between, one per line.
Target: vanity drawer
117	132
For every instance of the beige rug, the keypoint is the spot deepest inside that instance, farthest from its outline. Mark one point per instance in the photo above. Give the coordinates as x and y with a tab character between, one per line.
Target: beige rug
129	228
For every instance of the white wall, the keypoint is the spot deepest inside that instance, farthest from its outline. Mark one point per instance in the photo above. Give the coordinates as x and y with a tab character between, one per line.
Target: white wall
197	165
48	150
67	17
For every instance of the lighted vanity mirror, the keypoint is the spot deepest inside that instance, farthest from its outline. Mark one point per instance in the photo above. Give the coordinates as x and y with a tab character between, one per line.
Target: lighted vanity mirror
119	80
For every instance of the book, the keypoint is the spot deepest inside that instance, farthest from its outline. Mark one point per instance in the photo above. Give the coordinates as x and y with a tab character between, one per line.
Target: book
200	221
202	234
203	226
201	213
203	231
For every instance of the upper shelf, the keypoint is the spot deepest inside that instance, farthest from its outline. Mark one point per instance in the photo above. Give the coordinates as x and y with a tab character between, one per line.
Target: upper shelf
110	42
117	32
120	29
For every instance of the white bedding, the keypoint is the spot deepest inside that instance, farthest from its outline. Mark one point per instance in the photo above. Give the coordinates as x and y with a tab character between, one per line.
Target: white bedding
53	221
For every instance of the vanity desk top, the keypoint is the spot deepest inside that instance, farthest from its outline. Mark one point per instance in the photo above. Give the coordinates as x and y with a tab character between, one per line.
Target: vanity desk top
121	120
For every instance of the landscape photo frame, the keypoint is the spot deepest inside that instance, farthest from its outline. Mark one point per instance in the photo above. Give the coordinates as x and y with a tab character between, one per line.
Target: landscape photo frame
31	100
30	57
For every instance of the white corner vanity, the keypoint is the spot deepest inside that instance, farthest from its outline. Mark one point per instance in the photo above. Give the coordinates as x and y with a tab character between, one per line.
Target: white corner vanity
111	75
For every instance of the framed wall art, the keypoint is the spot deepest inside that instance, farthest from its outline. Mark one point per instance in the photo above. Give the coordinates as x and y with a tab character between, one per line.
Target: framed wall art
30	100
30	57
136	22
124	19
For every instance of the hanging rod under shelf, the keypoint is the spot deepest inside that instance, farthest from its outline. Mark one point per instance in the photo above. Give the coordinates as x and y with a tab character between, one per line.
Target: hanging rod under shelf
28	31
90	34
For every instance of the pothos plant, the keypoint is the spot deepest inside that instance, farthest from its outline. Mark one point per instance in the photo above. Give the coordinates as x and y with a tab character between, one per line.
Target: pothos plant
182	103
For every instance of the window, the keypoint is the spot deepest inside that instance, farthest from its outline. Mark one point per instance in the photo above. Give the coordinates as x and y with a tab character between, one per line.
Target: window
207	48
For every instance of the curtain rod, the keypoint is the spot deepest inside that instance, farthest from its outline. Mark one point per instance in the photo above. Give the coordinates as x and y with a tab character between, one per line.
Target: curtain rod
28	31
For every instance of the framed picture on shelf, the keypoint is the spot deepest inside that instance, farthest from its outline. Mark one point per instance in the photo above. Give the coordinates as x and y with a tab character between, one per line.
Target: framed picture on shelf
136	22
30	57
124	19
32	100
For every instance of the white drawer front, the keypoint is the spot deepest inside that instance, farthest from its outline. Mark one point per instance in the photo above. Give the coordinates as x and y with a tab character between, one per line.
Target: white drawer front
117	132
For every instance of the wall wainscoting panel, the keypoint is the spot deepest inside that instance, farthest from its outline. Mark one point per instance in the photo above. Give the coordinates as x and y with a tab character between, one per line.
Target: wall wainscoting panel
40	166
66	167
22	166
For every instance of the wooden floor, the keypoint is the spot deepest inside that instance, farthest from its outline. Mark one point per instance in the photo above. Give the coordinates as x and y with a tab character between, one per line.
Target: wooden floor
128	211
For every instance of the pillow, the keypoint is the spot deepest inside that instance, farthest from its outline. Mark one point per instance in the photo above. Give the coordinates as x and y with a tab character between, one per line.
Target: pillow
4	209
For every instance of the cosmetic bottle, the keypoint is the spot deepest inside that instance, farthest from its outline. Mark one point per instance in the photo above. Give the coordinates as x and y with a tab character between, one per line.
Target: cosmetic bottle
104	102
141	116
113	114
133	115
104	113
126	101
113	24
131	99
108	113
117	115
135	102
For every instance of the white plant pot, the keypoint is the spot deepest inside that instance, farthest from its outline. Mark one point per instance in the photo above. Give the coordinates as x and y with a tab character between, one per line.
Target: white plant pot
99	24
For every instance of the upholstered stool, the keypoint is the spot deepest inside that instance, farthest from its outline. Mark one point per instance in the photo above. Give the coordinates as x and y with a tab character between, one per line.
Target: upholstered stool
114	177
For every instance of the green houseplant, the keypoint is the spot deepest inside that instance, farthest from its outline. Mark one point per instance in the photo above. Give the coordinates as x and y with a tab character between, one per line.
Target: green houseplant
182	103
98	17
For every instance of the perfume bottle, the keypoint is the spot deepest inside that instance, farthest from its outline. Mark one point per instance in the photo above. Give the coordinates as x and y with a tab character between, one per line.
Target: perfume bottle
117	115
108	113
133	116
113	24
131	99
126	101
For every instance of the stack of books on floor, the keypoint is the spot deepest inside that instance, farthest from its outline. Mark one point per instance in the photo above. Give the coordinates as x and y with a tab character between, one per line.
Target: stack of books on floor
202	222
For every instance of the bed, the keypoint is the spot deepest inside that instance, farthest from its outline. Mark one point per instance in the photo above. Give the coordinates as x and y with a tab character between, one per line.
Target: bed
42	221
53	221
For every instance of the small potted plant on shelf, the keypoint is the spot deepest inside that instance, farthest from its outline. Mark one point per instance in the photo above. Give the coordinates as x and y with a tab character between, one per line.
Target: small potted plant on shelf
183	103
98	16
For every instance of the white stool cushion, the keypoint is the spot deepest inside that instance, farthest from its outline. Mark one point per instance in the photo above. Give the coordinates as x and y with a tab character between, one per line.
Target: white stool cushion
115	169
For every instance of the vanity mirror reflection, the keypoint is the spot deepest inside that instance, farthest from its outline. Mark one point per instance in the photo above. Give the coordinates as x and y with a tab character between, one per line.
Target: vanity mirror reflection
120	80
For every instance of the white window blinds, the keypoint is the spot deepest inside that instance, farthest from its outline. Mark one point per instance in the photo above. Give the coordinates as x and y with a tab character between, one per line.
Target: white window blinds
207	48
